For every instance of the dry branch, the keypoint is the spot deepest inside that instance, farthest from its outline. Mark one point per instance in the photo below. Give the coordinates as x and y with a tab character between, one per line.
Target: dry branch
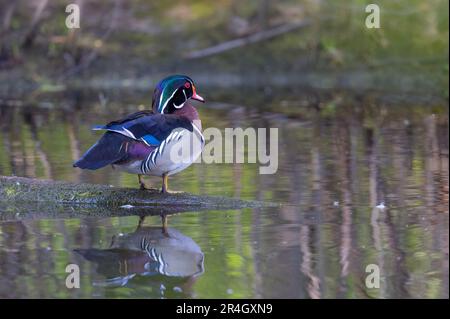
254	38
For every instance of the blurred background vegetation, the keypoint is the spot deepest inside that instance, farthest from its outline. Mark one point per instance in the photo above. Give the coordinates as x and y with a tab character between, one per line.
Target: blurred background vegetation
321	44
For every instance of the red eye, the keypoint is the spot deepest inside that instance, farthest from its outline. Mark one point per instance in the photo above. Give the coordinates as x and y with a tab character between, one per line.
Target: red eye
187	85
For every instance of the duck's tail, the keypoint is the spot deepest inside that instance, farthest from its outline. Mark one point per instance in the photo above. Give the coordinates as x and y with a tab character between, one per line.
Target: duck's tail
108	150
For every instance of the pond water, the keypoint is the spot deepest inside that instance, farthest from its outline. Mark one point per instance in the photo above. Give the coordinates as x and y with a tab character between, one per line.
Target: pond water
360	184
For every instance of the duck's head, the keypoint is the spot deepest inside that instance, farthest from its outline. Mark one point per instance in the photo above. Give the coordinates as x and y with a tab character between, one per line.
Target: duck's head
172	92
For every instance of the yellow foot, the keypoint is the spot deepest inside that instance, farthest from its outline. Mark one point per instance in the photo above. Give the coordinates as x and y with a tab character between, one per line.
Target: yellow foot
142	187
170	192
142	183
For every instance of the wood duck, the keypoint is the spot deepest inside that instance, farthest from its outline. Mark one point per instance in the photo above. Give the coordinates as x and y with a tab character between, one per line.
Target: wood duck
160	142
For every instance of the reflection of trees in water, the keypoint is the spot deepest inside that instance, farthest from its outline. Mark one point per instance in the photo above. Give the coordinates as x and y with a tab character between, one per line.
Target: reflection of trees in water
356	159
314	282
13	258
437	191
384	173
34	254
378	213
436	165
342	155
27	267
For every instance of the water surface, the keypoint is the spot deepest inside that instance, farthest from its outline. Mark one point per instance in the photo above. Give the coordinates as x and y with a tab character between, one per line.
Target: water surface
363	183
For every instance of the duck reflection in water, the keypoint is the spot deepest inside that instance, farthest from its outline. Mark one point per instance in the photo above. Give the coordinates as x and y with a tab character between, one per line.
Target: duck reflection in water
161	253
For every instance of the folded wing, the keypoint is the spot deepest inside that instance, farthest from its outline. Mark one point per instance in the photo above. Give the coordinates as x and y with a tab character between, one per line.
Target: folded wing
129	139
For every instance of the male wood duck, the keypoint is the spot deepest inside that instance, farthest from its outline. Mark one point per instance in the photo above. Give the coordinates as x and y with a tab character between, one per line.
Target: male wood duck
160	142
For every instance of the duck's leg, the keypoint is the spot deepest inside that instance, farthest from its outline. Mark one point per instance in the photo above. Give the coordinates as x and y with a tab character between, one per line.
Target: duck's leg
164	224
141	182
165	183
141	221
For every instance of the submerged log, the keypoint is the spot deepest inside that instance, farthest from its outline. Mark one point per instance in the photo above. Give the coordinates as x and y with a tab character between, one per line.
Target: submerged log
19	195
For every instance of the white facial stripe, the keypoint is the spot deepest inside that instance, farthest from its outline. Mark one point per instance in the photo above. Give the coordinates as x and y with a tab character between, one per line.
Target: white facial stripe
167	101
160	99
173	94
181	105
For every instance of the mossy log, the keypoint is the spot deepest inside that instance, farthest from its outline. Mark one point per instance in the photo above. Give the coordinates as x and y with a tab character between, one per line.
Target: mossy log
19	195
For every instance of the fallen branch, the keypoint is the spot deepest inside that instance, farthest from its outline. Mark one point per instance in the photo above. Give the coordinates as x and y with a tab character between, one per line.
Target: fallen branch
89	198
254	38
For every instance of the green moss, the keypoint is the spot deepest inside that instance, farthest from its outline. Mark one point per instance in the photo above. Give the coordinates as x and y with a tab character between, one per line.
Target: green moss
10	191
28	190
